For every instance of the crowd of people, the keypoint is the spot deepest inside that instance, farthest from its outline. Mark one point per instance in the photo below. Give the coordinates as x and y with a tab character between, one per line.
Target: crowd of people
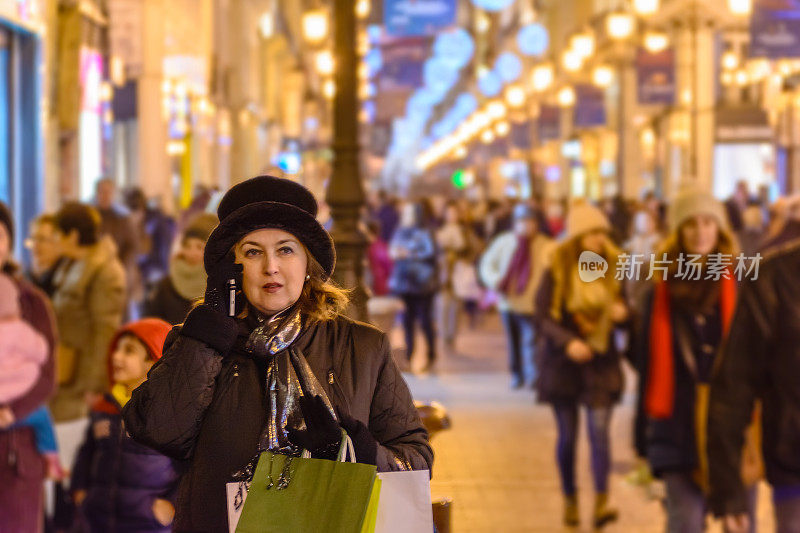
717	360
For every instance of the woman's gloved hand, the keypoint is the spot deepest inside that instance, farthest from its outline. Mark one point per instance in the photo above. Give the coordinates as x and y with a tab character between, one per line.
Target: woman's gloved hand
323	435
218	288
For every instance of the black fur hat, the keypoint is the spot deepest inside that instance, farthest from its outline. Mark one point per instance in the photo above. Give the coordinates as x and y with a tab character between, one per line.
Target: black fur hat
269	202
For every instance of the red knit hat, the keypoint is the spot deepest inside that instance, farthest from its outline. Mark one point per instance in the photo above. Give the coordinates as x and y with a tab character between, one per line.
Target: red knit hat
151	331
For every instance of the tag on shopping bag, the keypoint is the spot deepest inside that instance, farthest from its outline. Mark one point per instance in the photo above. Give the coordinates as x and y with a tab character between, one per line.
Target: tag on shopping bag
235	500
405	503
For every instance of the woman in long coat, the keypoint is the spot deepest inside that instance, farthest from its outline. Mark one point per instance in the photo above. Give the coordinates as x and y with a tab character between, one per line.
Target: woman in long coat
22	468
286	374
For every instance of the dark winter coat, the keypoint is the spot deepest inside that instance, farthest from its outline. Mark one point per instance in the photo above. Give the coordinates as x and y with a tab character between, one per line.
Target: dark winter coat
760	360
210	410
21	466
415	273
121	477
670	444
165	303
597	383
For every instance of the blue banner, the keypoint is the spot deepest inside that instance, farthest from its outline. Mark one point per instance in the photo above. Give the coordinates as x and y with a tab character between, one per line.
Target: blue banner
775	29
404	18
549	123
403	63
655	77
590	106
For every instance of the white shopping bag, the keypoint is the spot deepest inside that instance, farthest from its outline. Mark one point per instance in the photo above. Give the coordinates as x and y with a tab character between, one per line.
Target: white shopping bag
234	513
405	503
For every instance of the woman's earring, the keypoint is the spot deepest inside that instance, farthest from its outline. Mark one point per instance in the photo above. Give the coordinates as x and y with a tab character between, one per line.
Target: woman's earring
308	277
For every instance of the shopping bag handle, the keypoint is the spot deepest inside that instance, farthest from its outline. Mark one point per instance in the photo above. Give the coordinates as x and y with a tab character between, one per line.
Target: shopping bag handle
345	448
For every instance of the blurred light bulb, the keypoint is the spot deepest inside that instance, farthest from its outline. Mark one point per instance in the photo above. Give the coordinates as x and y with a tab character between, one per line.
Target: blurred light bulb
655	41
730	60
363	8
461	152
496	110
515	96
487	136
502	128
740	7
741	77
324	63
603	76
566	97
645	7
572	61
620	25
315	25
266	25
329	89
542	77
582	44
482	22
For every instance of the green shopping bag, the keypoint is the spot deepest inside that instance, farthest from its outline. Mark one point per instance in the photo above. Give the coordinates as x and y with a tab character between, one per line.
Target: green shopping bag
301	495
371	519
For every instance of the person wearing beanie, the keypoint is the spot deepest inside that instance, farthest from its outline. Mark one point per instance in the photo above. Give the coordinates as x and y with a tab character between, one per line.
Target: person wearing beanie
578	320
415	278
512	266
185	283
118	484
269	362
684	322
21	492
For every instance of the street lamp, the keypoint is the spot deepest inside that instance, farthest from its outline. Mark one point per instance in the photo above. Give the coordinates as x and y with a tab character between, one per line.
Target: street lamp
572	61
566	97
603	76
324	63
542	77
645	7
620	25
583	44
315	25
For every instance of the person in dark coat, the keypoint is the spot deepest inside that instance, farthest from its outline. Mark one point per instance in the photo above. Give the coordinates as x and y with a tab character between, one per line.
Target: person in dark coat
685	319
760	361
287	372
415	277
577	356
173	297
115	222
120	485
22	469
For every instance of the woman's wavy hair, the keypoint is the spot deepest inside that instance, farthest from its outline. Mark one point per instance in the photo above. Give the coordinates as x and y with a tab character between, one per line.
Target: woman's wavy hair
321	299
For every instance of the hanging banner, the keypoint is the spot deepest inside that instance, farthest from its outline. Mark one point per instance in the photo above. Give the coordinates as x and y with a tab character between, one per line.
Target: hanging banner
590	108
655	77
775	29
549	123
404	18
403	64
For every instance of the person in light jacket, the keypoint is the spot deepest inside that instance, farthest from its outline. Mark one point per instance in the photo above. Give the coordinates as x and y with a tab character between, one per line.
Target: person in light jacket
513	265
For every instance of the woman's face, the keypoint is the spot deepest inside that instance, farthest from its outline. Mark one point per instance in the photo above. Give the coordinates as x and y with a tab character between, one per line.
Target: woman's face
594	241
192	250
44	244
451	215
274	269
700	234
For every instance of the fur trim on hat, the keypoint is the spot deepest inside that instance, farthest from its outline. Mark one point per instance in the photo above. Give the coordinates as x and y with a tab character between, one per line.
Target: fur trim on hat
690	202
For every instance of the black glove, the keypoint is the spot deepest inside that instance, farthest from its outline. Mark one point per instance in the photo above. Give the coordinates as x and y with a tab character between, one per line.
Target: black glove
323	435
218	285
364	443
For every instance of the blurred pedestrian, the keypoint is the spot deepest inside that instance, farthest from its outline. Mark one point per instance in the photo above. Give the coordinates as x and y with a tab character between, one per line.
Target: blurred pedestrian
579	362
784	226
736	204
46	257
380	262
89	303
683	325
752	234
641	246
117	483
22	469
415	278
155	231
452	243
387	214
513	265
115	221
23	353
759	362
173	297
